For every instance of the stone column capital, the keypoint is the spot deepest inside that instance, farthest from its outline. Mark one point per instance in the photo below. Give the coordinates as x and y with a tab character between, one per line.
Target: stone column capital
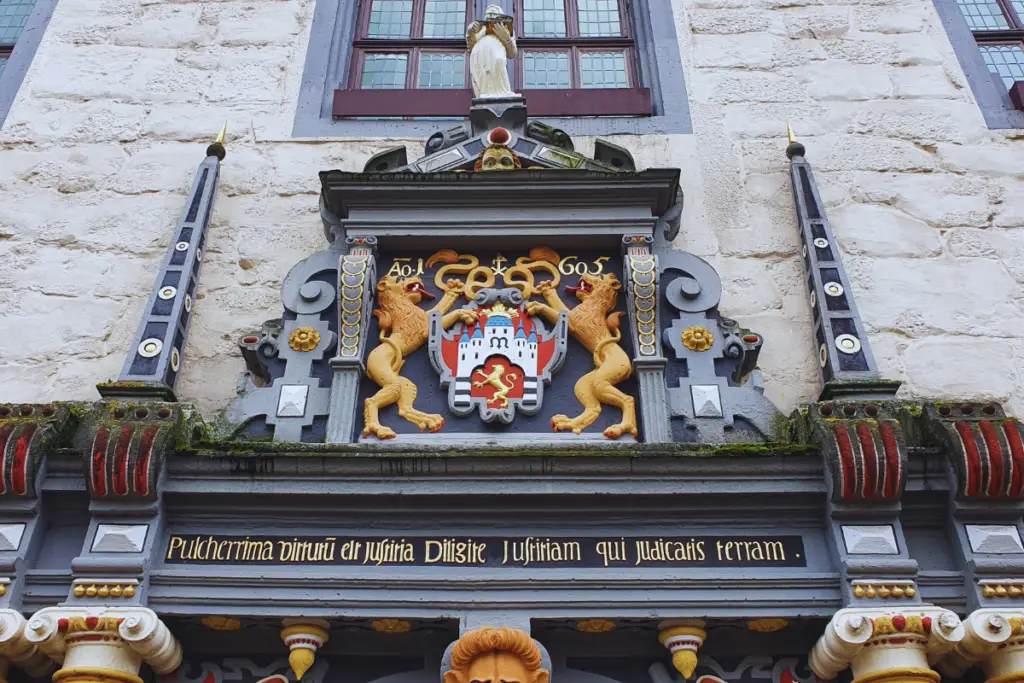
886	643
993	639
108	643
16	648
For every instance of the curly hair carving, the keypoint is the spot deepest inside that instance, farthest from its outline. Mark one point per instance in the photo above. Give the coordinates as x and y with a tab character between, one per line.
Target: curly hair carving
487	639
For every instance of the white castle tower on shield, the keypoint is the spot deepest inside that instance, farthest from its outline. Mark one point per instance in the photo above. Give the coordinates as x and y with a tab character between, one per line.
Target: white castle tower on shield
499	336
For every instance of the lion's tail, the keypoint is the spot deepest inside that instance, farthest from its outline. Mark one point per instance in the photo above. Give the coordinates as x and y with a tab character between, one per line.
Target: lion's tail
613	326
398	361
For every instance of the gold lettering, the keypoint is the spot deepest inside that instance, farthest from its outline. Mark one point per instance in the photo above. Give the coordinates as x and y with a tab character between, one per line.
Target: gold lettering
776	551
435	545
177	543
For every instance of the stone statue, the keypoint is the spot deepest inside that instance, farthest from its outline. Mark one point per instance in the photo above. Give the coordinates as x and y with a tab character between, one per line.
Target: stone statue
502	655
491	44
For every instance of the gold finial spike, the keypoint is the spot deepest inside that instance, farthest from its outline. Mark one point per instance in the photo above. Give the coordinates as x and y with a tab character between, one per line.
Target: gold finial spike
216	148
789	131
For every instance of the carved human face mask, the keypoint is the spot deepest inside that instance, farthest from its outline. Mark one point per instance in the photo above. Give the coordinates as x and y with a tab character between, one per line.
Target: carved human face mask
498	158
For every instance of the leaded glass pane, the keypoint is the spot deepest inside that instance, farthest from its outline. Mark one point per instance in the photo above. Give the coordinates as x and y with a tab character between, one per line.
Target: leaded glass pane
544	18
3	63
13	17
603	70
599	18
1018	7
546	70
442	71
384	72
1005	61
444	19
983	15
388	18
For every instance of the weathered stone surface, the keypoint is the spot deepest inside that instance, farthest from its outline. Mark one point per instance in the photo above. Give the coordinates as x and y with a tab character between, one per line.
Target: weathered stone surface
960	368
837	80
750	52
923	82
903	19
876	231
818	22
974	295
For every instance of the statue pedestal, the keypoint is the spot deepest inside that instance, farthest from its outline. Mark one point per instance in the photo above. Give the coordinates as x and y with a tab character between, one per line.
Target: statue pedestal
486	113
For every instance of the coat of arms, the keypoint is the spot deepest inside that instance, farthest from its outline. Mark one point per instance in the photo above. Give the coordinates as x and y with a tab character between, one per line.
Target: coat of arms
500	363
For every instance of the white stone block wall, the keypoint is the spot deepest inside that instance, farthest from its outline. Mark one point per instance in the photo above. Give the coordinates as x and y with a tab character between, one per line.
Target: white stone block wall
100	147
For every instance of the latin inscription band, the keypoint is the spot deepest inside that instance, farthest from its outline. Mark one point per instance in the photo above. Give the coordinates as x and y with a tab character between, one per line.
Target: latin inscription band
461	551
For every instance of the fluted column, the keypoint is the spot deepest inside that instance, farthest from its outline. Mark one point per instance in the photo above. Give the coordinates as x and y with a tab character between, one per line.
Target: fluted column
885	645
104	645
994	640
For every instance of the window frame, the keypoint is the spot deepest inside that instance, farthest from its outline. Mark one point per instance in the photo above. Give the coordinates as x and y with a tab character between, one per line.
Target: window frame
353	101
326	73
992	97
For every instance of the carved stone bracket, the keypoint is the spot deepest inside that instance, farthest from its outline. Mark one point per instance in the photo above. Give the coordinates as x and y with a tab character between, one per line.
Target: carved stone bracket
864	448
25	430
104	644
716	360
125	446
985	448
886	645
683	637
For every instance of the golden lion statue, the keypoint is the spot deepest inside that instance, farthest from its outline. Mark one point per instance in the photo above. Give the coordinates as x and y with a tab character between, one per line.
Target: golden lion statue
404	327
594	324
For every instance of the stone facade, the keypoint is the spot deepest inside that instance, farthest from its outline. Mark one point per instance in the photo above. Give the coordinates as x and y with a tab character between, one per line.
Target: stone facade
99	148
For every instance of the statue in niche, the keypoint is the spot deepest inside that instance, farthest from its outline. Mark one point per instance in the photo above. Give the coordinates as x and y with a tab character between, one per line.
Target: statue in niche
502	655
491	44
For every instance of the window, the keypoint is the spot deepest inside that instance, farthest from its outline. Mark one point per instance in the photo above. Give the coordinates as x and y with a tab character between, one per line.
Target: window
622	69
22	23
998	29
409	58
14	15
